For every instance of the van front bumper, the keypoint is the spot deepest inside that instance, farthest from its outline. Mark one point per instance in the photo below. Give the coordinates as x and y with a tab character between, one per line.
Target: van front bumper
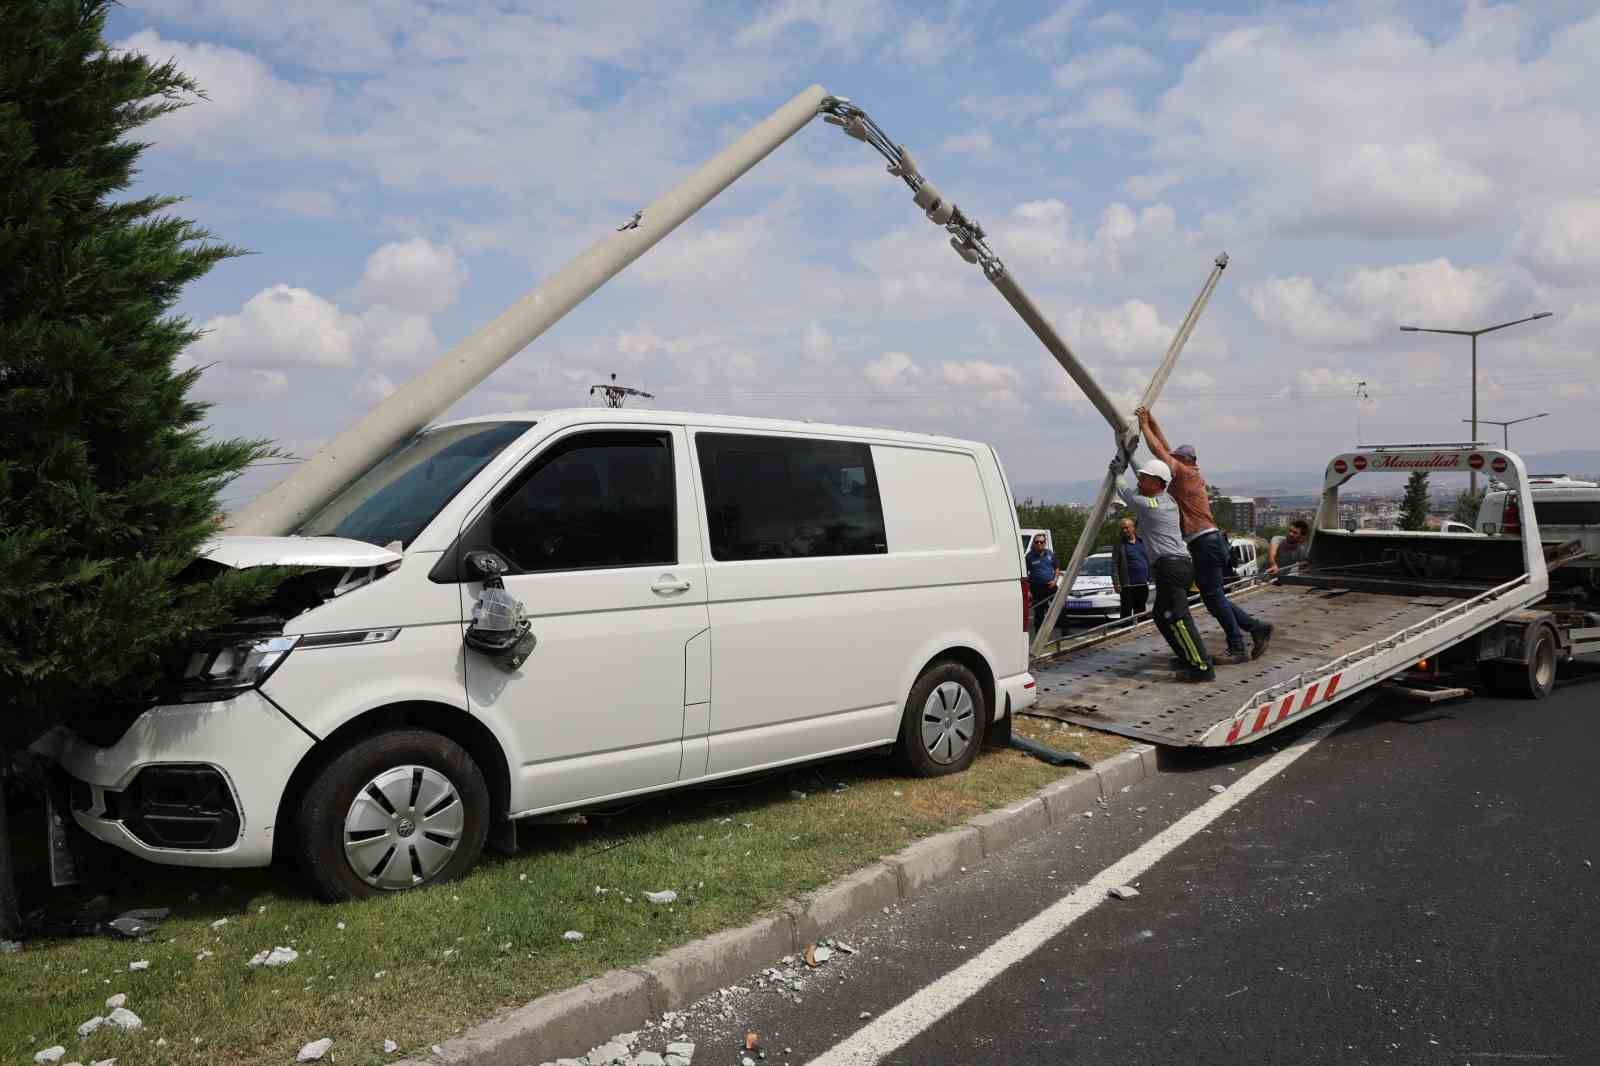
193	784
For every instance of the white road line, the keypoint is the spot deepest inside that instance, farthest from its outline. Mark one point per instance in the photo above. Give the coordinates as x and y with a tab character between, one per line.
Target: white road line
932	1002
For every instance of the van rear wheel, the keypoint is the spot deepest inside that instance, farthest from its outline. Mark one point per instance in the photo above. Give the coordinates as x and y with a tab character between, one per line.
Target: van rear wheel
942	728
398	810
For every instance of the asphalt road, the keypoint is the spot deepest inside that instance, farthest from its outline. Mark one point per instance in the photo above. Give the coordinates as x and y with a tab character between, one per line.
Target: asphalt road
1418	888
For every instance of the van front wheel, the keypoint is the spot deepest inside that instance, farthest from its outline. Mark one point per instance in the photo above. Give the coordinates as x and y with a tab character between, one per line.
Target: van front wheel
393	811
943	723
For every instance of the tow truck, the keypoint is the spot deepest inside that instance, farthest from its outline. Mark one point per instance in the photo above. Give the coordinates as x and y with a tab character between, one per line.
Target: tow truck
1366	607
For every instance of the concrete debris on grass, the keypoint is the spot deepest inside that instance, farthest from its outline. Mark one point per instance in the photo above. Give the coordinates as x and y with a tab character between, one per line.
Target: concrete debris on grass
314	1051
1123	892
202	955
219	923
136	967
49	1054
90	1026
10	947
126	1020
272	957
572	936
390	1047
118	1000
664	896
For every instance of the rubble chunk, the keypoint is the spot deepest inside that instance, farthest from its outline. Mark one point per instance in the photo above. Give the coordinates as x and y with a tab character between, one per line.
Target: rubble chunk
118	1000
1219	789
91	1025
219	923
648	1058
314	1051
49	1054
606	1054
136	967
664	896
390	1047
1124	892
572	935
272	957
126	1020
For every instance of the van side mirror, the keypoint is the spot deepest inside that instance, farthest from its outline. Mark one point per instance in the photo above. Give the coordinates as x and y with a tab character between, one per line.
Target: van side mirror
486	564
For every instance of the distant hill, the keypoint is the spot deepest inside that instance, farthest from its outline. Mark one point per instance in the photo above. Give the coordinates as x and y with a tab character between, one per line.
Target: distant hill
1293	480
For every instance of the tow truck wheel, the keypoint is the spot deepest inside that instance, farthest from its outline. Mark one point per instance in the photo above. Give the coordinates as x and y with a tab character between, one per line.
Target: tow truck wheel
1532	680
397	810
943	723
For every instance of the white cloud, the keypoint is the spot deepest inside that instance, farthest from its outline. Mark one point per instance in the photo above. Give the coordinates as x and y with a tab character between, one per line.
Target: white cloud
1047	34
838	22
817	344
1560	242
416	275
1376	128
1371	303
279	326
1114	22
247	109
891	369
1116	63
980	375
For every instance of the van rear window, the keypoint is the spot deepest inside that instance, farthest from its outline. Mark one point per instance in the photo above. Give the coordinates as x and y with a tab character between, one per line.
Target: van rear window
789	498
1567	512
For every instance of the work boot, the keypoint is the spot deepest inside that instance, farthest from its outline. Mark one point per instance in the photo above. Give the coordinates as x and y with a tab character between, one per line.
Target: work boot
1189	675
1259	638
1233	657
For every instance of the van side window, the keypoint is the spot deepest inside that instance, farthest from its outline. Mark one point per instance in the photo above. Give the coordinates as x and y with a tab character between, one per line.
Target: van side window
786	498
594	500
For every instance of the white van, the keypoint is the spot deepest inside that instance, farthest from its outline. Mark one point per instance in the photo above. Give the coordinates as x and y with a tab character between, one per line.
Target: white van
705	597
1248	556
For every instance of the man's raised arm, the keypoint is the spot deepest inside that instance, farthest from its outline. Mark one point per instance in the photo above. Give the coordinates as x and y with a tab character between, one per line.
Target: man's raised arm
1153	437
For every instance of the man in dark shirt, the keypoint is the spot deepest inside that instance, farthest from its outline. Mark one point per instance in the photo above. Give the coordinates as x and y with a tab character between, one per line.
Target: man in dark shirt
1042	575
1130	569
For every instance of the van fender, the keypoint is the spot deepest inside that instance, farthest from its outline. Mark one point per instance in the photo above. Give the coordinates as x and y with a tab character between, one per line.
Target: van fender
963	645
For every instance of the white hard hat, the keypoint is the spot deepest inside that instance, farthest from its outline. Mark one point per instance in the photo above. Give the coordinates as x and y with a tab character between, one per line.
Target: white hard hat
1156	468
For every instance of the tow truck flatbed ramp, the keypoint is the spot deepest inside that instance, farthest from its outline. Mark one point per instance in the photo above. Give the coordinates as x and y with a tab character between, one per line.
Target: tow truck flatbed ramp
1123	681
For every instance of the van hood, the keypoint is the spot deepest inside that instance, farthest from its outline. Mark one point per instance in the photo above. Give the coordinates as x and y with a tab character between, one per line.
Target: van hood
241	553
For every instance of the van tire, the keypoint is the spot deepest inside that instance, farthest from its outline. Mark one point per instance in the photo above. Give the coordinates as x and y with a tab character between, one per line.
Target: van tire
939	692
443	783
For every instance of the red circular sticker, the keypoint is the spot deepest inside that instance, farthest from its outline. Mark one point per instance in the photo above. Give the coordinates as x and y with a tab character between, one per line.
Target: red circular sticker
1339	466
1499	465
1475	461
1361	462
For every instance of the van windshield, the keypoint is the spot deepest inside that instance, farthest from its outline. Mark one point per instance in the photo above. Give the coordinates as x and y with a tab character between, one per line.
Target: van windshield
401	494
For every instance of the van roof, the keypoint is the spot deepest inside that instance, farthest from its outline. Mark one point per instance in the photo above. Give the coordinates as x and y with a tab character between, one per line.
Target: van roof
651	416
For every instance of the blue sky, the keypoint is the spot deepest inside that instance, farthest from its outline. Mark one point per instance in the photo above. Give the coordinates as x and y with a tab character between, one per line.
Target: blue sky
403	171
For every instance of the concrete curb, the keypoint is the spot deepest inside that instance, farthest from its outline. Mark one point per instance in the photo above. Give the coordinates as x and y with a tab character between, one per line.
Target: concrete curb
622	1000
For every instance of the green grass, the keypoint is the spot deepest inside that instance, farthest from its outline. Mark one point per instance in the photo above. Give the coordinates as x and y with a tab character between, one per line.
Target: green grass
453	955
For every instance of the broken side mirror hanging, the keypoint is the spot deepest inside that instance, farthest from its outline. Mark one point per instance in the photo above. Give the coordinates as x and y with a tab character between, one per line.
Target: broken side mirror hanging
500	629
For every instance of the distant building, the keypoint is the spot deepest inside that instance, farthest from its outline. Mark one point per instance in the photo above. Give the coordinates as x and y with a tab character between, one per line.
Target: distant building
1237	513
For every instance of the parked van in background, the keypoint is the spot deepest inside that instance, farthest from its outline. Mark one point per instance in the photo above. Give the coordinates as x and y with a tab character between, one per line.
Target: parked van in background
1247	555
701	597
1025	538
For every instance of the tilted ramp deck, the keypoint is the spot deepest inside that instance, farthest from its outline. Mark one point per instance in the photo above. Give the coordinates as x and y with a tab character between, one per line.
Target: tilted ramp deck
1124	682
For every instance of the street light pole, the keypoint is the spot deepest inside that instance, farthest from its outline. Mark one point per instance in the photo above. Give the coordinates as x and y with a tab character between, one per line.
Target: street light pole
1474	334
1505	426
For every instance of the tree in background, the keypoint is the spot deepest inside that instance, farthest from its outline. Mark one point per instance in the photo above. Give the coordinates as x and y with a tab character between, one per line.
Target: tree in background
1065	522
108	483
1414	508
1466	506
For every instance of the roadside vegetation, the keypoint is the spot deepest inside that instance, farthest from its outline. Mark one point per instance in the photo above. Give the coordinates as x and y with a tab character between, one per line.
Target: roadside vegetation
420	966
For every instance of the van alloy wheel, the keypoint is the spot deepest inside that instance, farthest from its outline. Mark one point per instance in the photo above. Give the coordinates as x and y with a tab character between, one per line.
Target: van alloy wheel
403	827
949	723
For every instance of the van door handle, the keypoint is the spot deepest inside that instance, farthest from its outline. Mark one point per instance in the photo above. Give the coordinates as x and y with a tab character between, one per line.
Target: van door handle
666	583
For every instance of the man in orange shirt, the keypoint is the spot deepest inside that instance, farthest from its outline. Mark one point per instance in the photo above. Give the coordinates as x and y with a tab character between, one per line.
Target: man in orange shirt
1207	544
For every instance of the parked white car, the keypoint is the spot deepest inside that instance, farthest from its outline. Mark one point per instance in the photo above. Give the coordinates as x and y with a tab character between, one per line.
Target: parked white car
701	597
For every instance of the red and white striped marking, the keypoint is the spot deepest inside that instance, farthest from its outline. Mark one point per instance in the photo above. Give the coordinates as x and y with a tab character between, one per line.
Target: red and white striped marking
1272	714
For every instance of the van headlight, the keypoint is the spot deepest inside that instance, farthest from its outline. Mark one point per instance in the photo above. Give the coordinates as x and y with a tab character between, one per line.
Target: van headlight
223	671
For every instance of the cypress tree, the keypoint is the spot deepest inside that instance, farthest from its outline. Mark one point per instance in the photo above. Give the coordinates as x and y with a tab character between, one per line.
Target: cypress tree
108	480
1414	508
